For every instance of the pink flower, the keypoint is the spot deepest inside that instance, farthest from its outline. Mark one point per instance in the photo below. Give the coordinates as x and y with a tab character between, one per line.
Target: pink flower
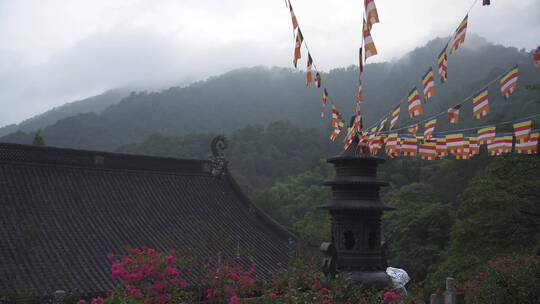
272	295
172	271
234	300
170	260
390	296
315	286
211	293
98	300
234	276
182	284
81	301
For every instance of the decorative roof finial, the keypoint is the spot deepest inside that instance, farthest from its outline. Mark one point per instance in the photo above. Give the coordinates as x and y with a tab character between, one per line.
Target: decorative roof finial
219	162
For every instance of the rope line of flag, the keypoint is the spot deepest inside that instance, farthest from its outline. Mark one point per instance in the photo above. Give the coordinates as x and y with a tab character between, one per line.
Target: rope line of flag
337	120
433	145
428	78
375	138
508	83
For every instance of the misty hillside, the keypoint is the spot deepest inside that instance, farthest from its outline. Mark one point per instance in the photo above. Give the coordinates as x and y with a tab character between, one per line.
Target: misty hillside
262	95
94	104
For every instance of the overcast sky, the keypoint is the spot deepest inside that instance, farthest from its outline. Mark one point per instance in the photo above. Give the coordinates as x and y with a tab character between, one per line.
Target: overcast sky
56	51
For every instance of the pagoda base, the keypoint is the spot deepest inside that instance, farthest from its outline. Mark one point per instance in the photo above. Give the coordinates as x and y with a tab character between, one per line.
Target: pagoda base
368	279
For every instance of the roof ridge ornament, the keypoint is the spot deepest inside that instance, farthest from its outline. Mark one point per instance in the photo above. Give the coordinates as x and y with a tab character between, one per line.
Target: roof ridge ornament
219	162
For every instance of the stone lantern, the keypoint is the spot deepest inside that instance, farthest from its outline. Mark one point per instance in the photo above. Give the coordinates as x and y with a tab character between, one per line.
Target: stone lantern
355	251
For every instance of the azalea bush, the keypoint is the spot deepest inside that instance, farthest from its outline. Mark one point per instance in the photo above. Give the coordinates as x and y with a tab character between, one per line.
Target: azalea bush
144	276
513	279
147	276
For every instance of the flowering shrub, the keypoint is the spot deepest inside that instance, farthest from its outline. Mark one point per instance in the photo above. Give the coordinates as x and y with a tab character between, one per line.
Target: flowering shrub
229	284
147	276
144	276
514	279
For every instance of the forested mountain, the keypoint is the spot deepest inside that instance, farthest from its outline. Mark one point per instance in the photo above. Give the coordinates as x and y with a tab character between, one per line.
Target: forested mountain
262	95
94	104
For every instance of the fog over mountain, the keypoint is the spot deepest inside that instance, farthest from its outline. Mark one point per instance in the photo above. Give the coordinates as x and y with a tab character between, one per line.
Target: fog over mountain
261	95
53	52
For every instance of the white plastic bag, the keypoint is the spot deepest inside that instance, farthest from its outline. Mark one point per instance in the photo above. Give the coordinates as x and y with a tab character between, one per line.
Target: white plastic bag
399	277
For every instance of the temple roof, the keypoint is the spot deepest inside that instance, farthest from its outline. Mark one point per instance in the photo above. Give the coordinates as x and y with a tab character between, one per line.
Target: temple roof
63	210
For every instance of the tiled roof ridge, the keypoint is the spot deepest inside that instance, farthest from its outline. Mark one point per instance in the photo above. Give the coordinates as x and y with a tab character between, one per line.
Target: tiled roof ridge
99	159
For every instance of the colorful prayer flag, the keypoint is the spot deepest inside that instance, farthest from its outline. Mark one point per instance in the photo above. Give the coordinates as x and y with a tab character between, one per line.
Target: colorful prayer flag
528	145
293	17
459	35
486	135
415	104
501	144
453	114
371	12
454	142
297	47
428	150
349	138
395	116
392	148
507	141
536	57
409	145
369	45
413	129
382	124
375	144
429	128
324	100
309	75
357	124
359	94
522	128
509	82
465	151
441	146
443	64
474	146
481	103
428	81
318	80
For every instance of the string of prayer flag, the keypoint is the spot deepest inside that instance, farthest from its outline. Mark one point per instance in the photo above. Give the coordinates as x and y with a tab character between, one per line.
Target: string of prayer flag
486	135
443	64
509	82
441	145
369	45
309	75
395	116
297	47
415	105
324	100
459	35
413	129
429	128
293	17
371	12
454	142
318	80
409	145
481	104
522	128
528	145
429	84
428	150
